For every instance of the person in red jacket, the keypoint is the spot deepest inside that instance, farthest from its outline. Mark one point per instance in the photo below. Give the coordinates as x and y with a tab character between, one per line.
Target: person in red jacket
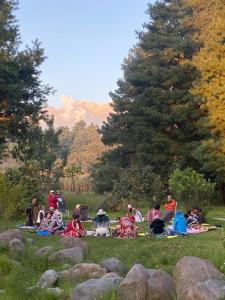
74	228
52	200
170	208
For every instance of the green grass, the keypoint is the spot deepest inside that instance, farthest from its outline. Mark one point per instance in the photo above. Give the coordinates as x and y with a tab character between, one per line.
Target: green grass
152	253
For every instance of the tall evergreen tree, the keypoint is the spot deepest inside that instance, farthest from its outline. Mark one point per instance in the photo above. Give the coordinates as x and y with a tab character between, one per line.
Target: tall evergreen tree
22	95
157	120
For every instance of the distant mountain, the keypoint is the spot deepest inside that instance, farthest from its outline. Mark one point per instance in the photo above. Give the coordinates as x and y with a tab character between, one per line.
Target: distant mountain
73	111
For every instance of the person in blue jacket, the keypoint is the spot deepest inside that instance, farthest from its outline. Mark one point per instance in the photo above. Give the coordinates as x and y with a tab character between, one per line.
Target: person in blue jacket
179	223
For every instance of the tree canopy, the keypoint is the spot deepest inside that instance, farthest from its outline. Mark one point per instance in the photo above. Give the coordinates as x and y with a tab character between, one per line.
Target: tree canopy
22	94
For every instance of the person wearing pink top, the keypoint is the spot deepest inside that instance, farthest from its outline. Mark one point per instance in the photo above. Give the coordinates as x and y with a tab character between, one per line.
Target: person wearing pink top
154	213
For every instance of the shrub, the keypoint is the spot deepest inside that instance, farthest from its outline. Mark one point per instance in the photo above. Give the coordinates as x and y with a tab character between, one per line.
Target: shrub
191	188
12	198
137	184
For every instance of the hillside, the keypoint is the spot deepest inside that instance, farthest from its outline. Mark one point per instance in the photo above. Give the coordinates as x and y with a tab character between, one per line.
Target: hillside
73	111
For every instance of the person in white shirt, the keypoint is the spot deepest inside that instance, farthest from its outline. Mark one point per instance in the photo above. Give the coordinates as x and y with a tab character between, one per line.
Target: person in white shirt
136	213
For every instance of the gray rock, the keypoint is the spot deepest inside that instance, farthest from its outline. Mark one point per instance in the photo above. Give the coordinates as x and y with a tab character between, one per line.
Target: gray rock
48	279
83	270
8	235
110	275
191	270
45	251
95	288
55	291
2	292
114	265
16	245
161	286
71	255
135	284
71	242
211	289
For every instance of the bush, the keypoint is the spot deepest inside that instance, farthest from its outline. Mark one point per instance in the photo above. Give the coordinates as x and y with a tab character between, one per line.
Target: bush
12	198
137	184
191	188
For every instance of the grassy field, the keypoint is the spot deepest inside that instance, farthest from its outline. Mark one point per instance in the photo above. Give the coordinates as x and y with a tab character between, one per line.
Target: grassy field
152	253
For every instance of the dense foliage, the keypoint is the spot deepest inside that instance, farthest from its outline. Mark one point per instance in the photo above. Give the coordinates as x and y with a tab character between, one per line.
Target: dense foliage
22	94
191	188
157	121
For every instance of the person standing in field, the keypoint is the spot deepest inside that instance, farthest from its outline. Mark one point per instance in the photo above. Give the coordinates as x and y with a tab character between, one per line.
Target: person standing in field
61	203
52	200
170	208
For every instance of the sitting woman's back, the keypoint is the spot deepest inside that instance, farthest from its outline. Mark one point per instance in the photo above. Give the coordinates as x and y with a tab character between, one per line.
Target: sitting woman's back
101	223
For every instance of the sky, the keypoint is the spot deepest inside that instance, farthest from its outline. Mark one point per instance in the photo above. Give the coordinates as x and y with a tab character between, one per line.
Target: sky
85	42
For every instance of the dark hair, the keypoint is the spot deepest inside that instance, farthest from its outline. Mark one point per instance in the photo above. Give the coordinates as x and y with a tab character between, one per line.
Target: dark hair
76	216
48	212
157	206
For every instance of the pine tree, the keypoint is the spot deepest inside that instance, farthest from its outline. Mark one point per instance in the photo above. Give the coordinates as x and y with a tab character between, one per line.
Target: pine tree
22	95
157	119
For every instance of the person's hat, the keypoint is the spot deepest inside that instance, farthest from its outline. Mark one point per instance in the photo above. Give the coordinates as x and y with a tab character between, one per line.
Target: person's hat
52	191
101	212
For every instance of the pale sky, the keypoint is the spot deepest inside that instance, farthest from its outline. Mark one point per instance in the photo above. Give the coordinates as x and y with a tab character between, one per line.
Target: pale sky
85	42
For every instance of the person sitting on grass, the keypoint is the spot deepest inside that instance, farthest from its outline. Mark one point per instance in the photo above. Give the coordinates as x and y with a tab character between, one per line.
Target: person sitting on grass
135	212
101	223
41	215
82	211
45	223
192	219
32	213
74	228
193	225
200	215
153	213
179	223
56	223
127	226
157	228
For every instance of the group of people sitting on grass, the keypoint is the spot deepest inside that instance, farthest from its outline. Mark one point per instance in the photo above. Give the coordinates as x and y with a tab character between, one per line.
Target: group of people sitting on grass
170	223
174	222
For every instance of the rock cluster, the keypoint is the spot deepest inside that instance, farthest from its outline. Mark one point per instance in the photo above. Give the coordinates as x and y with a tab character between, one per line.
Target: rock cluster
193	278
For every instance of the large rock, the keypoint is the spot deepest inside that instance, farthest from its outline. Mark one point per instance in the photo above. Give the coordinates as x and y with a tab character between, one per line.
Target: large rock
16	245
95	288
110	275
191	270
83	270
161	286
8	235
135	284
71	242
71	255
211	289
114	265
48	279
45	251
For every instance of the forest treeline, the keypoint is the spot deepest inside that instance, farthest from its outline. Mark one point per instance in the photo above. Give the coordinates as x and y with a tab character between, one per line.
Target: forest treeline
168	111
